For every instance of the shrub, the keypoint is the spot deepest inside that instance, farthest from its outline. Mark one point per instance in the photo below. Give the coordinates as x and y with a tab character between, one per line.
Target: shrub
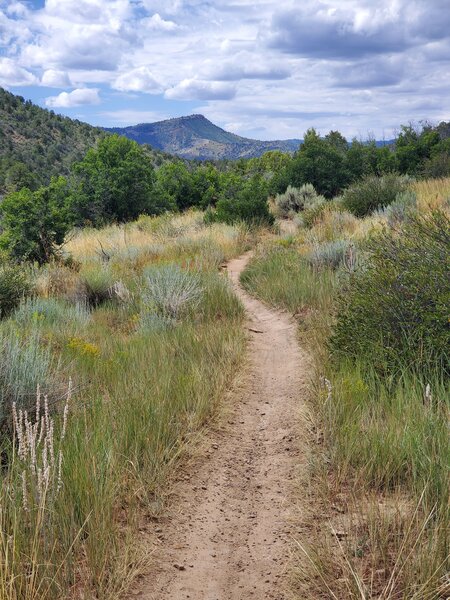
403	208
311	215
51	311
254	211
14	286
328	254
35	223
23	366
295	200
395	310
170	292
243	200
372	193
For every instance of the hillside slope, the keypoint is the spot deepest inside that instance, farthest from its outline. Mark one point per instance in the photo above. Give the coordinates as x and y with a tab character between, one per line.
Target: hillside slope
195	137
36	144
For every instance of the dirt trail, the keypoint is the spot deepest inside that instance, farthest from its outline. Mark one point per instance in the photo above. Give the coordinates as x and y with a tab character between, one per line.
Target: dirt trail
229	535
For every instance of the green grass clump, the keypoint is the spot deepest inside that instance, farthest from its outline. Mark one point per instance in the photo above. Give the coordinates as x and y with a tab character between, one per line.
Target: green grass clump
394	311
97	279
51	311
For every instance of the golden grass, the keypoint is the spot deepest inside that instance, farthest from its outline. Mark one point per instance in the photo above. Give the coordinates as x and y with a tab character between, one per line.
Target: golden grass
160	237
432	193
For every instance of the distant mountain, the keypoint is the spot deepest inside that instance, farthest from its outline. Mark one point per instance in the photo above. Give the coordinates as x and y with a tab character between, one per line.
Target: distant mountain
195	137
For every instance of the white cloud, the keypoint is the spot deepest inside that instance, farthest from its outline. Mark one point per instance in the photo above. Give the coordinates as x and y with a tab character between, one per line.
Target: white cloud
156	23
132	117
140	79
53	78
246	65
197	89
79	97
12	74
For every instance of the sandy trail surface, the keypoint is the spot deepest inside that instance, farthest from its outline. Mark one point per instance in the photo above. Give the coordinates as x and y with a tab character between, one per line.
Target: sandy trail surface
228	533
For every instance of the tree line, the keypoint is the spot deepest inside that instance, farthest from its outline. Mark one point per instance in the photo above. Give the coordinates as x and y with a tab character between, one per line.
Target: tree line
118	180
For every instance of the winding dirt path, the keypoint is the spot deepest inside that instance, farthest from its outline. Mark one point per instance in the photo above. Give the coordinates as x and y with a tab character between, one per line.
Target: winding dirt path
229	535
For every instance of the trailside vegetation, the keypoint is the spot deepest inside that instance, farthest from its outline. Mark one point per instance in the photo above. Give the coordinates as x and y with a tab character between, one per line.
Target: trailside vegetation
371	295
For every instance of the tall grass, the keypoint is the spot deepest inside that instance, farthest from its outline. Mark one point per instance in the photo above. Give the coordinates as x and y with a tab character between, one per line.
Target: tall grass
141	396
282	277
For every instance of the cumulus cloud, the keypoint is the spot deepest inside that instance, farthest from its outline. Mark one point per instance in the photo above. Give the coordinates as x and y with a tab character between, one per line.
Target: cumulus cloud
156	23
140	79
318	29
197	89
57	79
78	97
314	30
12	74
246	65
378	72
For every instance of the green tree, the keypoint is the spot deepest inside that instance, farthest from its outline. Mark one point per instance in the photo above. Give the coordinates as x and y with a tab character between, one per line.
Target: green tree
114	182
35	223
19	176
244	200
320	163
174	186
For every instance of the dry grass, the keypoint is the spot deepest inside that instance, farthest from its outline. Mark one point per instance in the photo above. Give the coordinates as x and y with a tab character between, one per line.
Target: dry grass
432	193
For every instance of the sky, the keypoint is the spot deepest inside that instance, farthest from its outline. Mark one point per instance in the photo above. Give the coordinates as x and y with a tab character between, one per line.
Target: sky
268	69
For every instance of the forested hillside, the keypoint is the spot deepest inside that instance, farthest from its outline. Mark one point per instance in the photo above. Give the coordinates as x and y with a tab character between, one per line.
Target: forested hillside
36	144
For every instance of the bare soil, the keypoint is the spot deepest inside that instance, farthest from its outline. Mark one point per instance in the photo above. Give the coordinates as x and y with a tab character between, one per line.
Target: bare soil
228	534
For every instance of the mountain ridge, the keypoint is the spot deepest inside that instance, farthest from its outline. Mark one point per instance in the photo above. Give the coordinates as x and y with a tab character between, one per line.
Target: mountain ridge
196	137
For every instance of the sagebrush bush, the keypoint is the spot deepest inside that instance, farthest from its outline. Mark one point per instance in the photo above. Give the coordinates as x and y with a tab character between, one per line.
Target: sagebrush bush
51	311
15	285
372	193
328	254
23	366
170	292
403	208
295	200
394	312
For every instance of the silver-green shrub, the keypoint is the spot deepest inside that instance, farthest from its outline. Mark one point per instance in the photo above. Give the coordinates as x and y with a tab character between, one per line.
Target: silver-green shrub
51	311
402	209
329	254
295	200
23	366
170	292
